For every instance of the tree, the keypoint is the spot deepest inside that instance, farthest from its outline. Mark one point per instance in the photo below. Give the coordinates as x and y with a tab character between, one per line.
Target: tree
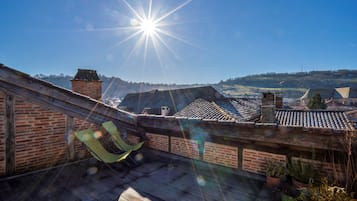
316	102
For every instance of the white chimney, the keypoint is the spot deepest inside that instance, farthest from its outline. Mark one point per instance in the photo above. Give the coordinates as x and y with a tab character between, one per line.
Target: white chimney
165	110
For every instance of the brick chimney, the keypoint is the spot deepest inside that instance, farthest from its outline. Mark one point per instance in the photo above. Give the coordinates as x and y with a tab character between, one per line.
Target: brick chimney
279	102
268	108
87	82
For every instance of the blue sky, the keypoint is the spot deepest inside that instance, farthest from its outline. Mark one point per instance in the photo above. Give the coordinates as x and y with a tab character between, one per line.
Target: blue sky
210	40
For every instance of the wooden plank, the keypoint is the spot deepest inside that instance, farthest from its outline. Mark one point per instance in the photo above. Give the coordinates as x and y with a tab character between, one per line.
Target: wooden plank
240	132
9	135
64	107
69	137
25	81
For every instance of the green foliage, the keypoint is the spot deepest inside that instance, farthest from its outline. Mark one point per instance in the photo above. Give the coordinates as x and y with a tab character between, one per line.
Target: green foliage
303	172
275	169
316	102
285	197
324	192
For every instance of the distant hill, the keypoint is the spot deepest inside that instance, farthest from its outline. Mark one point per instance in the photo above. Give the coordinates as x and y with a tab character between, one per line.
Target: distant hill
112	86
290	85
312	79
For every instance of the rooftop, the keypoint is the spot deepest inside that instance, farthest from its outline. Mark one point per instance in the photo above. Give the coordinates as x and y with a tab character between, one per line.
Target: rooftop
222	109
336	120
175	99
331	93
203	109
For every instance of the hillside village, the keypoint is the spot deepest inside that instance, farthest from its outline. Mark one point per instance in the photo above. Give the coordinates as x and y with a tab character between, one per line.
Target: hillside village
39	120
180	100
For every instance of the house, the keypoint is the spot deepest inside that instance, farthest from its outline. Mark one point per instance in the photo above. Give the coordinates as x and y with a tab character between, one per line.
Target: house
198	102
244	111
173	100
343	95
325	94
347	95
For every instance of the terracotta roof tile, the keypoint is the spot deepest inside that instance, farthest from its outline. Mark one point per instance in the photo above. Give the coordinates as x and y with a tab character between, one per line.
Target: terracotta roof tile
203	109
336	120
222	109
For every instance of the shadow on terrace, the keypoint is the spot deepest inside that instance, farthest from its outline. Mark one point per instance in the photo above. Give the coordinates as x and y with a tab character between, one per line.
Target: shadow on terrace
158	176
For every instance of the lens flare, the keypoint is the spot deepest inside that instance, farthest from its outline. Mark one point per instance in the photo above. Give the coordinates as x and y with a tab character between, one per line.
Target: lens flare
201	180
97	134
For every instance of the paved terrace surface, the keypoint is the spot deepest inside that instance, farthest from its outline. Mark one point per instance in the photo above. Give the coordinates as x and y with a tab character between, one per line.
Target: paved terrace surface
159	176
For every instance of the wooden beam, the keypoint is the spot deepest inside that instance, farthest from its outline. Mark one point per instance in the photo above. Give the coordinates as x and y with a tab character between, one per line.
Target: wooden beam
91	115
69	137
243	132
9	135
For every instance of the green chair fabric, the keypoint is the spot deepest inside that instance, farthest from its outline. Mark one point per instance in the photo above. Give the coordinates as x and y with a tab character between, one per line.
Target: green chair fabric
118	141
96	148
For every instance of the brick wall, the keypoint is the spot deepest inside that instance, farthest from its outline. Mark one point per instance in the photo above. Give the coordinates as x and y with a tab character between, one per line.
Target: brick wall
185	147
255	161
132	139
335	172
39	138
221	154
92	89
159	142
2	134
80	148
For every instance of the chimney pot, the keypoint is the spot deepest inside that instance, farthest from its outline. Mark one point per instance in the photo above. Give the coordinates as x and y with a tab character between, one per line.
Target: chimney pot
268	108
165	110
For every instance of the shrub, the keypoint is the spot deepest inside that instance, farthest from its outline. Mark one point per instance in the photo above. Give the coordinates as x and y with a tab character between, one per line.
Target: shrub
324	192
275	169
303	172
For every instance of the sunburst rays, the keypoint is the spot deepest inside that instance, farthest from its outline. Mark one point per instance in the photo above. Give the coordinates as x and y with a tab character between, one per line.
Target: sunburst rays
150	31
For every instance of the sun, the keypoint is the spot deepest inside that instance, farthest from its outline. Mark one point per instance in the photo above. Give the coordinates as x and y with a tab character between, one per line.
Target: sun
148	26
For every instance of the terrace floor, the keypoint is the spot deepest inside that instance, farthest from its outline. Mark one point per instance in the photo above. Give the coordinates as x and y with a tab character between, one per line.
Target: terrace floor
160	176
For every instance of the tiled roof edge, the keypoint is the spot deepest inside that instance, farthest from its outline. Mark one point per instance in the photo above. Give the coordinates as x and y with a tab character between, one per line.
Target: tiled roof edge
246	124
